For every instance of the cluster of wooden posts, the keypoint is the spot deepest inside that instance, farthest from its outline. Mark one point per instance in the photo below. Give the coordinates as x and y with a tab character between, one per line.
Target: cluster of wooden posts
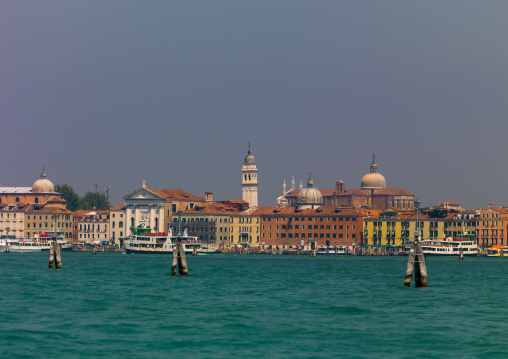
55	258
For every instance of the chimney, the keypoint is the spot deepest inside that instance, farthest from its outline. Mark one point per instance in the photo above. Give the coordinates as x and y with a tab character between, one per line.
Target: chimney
208	196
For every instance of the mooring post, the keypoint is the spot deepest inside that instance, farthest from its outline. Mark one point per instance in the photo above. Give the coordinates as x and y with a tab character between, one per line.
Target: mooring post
51	256
416	259
461	254
94	250
7	250
420	267
174	264
55	258
179	259
195	251
182	261
58	256
410	266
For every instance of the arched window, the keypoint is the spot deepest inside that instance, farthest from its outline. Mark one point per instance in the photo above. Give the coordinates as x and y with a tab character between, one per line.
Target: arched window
132	221
36	200
156	223
17	199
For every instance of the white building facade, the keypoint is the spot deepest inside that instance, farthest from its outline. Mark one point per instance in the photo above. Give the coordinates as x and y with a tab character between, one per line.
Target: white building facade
144	207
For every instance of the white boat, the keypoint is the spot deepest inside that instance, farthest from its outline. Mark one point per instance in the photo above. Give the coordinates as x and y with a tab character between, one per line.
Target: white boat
53	235
144	241
25	245
332	250
40	242
448	246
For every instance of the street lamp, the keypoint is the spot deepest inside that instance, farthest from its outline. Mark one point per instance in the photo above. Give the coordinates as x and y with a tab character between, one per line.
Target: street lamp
417	231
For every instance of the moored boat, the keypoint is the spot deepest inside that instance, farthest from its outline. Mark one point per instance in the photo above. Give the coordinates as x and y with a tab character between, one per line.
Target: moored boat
448	246
497	251
144	241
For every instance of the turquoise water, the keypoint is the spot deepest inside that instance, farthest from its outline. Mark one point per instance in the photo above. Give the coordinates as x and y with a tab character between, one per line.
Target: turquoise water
129	306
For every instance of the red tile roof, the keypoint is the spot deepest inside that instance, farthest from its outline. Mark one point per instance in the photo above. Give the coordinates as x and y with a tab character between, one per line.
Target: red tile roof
118	207
176	195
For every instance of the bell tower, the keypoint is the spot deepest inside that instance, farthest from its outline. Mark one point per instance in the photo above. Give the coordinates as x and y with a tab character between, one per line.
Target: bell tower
250	180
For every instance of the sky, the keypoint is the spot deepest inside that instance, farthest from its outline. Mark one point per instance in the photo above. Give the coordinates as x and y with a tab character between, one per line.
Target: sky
171	92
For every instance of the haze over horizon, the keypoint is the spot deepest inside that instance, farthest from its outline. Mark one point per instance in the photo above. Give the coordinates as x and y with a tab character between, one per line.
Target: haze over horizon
171	92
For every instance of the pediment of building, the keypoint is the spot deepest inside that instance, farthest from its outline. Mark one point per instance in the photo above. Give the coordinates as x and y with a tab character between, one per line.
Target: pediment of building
142	193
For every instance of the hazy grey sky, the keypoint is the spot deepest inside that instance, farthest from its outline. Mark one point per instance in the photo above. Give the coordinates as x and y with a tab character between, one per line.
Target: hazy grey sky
171	91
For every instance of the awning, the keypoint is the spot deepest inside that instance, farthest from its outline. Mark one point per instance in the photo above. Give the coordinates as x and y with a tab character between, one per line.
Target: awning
104	242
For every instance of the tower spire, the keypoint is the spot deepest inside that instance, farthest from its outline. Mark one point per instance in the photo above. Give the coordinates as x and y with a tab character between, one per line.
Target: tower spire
310	182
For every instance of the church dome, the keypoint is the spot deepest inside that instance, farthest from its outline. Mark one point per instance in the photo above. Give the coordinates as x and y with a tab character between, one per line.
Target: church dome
309	197
249	158
43	185
373	179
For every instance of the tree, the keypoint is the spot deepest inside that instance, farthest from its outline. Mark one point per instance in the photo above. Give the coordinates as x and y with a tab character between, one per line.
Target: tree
69	195
94	200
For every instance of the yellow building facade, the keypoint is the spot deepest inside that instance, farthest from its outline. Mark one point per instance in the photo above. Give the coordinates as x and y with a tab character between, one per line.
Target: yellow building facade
244	229
48	219
396	228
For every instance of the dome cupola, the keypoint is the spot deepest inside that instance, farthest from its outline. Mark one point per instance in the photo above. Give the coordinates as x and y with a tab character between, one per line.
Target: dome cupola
373	179
43	185
309	197
249	159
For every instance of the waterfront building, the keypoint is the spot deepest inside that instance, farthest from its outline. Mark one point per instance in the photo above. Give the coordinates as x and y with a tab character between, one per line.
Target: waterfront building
155	208
48	218
395	228
12	219
117	225
373	194
91	226
328	226
39	194
210	222
250	180
491	226
245	229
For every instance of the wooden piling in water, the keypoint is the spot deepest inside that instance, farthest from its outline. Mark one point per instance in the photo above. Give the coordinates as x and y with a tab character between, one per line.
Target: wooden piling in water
7	250
416	264
179	259
182	261
461	254
55	258
174	263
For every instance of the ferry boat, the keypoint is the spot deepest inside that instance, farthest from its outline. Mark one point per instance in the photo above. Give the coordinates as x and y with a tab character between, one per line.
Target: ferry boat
144	241
497	251
25	245
448	246
51	236
40	242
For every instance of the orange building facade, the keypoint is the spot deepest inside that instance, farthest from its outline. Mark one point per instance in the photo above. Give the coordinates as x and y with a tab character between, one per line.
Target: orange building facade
327	226
492	227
